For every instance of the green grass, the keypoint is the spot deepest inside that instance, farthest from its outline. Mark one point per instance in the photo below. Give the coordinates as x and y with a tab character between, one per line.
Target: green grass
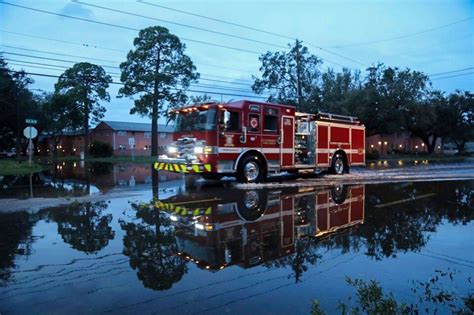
12	167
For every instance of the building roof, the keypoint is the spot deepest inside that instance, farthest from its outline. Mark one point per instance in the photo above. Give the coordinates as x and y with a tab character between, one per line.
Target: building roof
133	126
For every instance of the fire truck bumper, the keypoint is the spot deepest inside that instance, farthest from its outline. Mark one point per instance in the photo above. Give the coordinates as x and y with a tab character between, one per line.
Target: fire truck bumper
181	166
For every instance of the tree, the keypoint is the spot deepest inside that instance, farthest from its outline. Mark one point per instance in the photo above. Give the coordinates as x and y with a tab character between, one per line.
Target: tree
60	113
426	119
150	242
460	118
337	89
279	77
84	226
159	72
86	84
16	104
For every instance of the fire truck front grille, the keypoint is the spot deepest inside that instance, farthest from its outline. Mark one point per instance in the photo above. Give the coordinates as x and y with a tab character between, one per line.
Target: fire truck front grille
185	147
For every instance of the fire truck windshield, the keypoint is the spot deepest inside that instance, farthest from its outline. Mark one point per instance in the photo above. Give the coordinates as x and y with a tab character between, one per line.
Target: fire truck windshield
200	120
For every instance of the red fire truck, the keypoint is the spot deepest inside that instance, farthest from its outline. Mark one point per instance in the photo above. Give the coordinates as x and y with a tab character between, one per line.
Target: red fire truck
249	140
248	227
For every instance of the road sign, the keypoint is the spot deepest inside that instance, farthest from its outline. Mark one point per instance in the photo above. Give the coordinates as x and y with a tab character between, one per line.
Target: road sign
131	141
31	121
30	132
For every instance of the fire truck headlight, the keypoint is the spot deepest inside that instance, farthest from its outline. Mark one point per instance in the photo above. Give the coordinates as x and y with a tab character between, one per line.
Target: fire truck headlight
198	150
172	149
199	226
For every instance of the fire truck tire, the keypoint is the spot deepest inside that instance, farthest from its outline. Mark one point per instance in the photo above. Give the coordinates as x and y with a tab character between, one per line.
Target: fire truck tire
251	170
339	194
339	165
252	205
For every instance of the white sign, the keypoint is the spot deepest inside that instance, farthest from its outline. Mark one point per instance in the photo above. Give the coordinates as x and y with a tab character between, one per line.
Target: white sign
131	141
30	132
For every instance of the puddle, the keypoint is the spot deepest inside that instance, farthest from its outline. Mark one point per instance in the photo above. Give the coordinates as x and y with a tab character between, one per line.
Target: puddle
217	249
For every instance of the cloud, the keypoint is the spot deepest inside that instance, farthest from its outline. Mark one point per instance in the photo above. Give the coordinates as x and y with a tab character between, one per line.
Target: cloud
77	10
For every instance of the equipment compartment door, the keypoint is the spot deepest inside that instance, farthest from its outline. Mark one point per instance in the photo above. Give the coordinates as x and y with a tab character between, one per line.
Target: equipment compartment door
287	146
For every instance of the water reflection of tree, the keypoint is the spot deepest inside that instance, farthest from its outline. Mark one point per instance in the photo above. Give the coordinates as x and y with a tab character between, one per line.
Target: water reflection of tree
83	226
393	229
405	227
15	240
150	244
304	256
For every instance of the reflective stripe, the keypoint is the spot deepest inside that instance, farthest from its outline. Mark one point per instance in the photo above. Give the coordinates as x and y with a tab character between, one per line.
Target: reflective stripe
183	168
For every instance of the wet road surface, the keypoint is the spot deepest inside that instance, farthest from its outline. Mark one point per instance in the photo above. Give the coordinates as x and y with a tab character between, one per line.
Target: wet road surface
216	248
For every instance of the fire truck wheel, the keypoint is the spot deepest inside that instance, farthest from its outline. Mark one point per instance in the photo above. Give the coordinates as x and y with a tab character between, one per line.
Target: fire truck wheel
339	194
252	205
250	170
338	166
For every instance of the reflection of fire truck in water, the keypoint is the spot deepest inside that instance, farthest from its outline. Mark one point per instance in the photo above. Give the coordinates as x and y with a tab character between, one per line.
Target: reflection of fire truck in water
255	226
250	140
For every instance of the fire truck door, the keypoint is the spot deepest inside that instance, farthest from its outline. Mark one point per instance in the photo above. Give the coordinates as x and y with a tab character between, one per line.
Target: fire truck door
287	140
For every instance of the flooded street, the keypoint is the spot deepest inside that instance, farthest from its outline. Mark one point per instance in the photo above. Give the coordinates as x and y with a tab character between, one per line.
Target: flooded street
124	239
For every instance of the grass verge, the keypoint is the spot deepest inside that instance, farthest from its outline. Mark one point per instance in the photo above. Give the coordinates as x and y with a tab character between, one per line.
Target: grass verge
13	167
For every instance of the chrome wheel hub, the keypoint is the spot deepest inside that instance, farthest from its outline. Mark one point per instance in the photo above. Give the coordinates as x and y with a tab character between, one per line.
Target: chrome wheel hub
251	171
339	166
251	200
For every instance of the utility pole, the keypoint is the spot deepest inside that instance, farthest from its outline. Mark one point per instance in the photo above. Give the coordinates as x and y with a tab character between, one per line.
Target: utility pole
298	75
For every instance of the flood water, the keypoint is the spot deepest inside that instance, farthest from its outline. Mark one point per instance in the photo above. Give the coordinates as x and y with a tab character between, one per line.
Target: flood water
214	248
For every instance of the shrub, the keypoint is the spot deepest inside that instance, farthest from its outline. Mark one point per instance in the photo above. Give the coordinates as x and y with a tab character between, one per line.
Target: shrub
372	155
101	149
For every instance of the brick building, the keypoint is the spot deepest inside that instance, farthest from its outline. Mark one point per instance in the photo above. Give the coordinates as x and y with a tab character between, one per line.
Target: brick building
117	133
398	142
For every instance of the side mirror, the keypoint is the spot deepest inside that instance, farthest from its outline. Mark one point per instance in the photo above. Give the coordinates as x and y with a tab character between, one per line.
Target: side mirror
243	137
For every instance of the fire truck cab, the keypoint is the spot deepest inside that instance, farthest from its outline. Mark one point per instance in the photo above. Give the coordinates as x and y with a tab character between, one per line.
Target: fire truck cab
250	140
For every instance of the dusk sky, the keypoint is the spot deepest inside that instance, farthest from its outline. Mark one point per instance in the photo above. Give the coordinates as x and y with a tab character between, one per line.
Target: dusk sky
430	36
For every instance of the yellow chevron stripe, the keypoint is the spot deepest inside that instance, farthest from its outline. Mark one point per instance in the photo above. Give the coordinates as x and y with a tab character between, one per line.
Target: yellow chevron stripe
207	167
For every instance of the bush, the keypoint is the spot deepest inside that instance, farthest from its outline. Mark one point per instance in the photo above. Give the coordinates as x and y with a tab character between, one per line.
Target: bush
101	149
372	155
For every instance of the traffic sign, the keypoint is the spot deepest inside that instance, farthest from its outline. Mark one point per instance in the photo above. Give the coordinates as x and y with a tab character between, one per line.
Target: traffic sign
31	121
131	141
30	132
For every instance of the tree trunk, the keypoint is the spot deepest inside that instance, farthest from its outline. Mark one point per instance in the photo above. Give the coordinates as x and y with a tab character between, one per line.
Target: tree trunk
86	129
154	111
432	145
154	129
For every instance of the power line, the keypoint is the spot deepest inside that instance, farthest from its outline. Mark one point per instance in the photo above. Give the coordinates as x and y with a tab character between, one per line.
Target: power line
124	27
105	48
220	87
404	36
62	41
59	54
112	67
217	20
253	29
119	83
336	54
52	59
459	70
453	76
178	24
